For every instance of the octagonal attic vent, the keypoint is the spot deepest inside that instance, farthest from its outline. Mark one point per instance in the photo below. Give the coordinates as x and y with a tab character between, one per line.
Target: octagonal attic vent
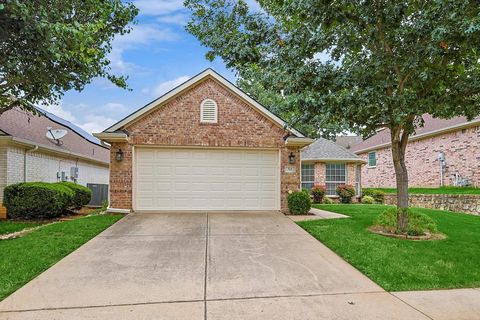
208	111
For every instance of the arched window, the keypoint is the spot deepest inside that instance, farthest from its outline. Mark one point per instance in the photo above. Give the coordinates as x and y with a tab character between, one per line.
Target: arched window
208	111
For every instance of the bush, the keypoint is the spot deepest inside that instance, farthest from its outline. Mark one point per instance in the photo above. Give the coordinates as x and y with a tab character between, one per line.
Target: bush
37	200
82	195
377	195
345	192
318	192
418	224
327	200
368	200
299	202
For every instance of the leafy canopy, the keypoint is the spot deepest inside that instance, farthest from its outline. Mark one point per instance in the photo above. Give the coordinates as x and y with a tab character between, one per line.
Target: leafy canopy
48	47
390	61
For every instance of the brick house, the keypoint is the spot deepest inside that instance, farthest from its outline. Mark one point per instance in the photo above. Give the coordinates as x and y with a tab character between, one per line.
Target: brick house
442	152
205	145
330	164
28	153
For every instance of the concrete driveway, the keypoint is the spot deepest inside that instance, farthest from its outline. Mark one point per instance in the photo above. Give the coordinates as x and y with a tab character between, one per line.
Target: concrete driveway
230	265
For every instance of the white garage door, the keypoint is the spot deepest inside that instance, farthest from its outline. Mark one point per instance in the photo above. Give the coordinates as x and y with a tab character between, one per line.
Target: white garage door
206	179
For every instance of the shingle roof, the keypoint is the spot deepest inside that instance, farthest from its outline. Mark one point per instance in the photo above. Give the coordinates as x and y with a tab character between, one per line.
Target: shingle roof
431	125
21	124
323	149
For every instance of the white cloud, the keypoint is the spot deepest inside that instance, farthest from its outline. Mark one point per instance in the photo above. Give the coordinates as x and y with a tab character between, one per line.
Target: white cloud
179	18
86	119
140	35
158	7
57	109
96	123
166	86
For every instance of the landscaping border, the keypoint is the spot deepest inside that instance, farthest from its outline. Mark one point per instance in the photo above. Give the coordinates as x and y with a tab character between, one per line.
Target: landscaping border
465	203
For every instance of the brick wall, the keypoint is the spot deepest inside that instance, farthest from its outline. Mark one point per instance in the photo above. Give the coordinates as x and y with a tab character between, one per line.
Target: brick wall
177	123
462	153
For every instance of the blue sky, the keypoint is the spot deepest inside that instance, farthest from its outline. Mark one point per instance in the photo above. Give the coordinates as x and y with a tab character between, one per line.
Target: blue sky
157	55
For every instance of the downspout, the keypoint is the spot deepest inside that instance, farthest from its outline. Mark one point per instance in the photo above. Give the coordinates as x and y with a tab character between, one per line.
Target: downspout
27	151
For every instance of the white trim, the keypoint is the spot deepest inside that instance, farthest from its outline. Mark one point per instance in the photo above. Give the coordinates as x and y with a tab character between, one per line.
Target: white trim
335	160
215	111
118	210
6	140
111	136
423	135
191	82
298	141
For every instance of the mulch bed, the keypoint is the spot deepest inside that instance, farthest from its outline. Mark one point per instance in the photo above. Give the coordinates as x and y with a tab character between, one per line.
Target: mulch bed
427	236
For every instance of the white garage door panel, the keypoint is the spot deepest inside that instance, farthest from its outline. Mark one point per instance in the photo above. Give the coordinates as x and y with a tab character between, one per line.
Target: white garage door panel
206	179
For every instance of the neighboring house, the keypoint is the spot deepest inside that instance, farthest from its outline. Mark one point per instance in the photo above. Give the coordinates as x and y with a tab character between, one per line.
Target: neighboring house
348	141
27	154
442	152
327	163
205	145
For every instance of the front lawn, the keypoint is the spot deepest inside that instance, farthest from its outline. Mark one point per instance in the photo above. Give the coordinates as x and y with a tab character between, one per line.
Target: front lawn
397	264
8	226
441	190
24	258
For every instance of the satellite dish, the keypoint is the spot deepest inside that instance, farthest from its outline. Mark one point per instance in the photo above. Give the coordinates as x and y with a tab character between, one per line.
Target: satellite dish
56	134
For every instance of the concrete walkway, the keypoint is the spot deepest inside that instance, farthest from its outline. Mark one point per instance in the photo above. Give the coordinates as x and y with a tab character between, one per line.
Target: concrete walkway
317	214
232	265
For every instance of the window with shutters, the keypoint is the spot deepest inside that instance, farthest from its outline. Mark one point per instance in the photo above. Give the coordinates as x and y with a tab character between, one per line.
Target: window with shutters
208	111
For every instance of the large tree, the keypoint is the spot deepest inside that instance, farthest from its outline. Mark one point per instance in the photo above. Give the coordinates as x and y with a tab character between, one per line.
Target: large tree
50	46
391	61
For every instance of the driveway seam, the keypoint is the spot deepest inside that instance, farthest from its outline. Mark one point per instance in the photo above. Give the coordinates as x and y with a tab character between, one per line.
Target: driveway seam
195	301
206	271
408	304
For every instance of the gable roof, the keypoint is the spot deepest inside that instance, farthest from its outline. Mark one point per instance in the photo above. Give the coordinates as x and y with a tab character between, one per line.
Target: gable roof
432	126
29	128
326	150
191	82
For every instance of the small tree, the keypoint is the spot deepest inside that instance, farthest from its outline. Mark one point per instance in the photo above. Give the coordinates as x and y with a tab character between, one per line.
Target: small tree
390	61
49	47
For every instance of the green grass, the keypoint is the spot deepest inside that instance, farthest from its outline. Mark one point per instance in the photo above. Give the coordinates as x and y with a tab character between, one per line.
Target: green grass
8	226
441	190
24	258
397	264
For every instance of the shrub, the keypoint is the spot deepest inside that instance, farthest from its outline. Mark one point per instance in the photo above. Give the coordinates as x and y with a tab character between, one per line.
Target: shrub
368	200
318	192
82	195
418	223
327	200
299	202
37	200
377	195
345	192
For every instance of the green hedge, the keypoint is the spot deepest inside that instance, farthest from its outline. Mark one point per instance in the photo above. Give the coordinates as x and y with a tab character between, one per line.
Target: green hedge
82	195
299	202
37	200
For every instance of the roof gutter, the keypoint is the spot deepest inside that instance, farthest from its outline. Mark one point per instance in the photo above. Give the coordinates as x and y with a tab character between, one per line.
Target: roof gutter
112	136
5	140
423	135
335	160
298	142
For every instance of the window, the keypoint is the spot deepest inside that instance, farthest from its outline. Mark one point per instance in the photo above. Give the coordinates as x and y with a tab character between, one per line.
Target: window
308	176
335	175
208	111
372	159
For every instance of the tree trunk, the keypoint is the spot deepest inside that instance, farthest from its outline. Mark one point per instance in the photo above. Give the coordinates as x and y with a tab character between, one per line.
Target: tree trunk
399	143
